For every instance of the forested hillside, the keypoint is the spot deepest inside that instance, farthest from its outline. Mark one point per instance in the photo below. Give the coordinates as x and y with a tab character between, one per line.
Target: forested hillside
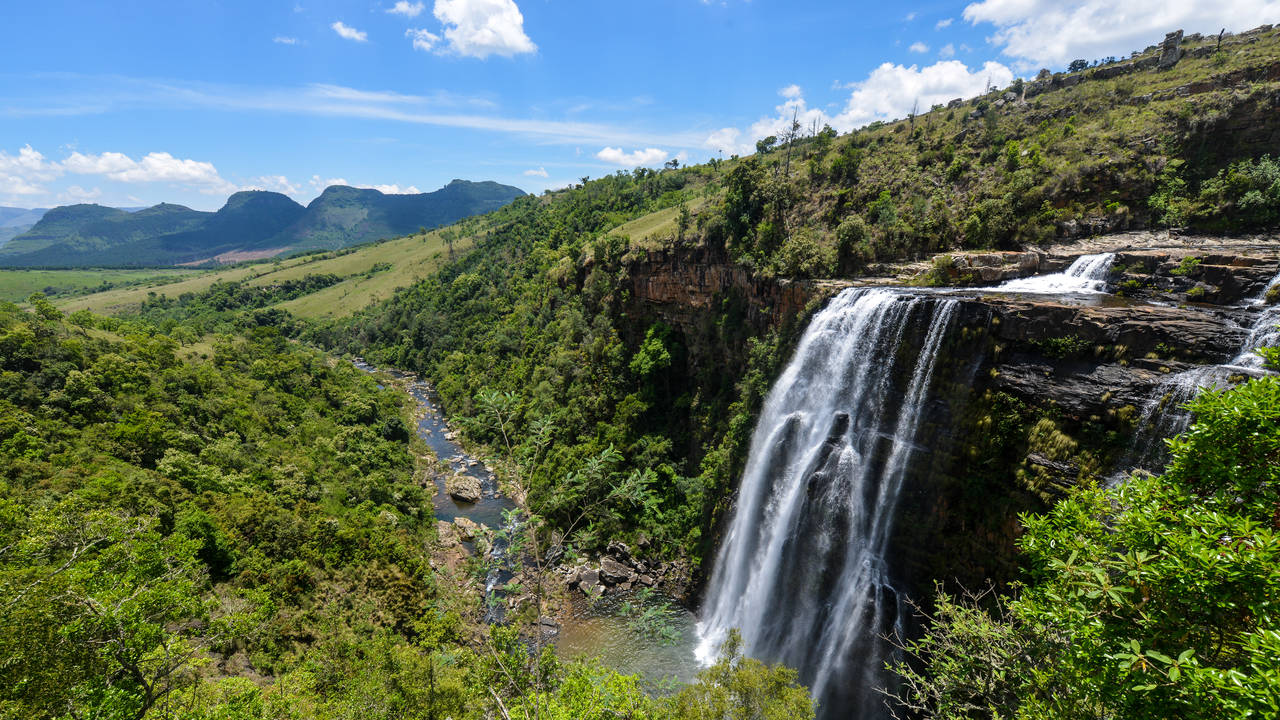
236	530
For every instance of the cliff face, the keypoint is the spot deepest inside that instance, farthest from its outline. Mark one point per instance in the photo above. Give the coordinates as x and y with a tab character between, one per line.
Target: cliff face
682	285
1036	393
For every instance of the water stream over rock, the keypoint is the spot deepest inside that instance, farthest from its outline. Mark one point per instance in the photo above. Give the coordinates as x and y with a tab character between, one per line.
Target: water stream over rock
802	573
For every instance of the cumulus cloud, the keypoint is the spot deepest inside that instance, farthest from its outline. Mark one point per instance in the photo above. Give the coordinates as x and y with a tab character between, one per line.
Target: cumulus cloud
480	28
422	39
919	47
318	184
539	172
889	93
349	33
1054	32
285	40
274	183
892	90
947	51
153	167
393	189
29	166
407	9
77	194
945	23
638	158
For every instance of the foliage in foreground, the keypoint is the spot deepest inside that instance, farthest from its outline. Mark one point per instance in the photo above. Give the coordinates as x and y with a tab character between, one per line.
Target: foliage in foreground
1158	598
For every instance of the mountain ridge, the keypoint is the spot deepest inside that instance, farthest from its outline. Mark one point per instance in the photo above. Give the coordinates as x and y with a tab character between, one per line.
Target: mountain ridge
257	223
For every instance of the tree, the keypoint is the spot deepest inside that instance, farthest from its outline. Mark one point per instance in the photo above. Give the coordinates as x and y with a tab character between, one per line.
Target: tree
766	145
1077	65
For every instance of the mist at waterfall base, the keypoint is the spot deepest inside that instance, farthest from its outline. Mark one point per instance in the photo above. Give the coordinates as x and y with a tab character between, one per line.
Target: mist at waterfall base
802	573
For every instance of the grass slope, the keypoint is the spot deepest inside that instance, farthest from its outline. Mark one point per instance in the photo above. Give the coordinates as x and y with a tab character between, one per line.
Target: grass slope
17	285
370	273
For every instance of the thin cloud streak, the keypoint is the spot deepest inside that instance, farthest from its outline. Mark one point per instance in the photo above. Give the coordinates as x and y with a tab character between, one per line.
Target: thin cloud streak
339	101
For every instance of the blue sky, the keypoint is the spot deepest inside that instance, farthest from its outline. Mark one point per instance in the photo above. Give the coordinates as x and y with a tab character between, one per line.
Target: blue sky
136	102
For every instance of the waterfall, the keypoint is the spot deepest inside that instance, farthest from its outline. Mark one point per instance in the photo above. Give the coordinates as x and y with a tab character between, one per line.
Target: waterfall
1164	415
802	572
1088	274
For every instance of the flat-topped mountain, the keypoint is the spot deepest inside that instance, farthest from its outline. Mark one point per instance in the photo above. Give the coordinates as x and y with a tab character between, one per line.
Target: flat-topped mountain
253	223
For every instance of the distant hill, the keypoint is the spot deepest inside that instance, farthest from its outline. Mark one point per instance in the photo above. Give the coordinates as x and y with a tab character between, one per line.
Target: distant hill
252	224
11	217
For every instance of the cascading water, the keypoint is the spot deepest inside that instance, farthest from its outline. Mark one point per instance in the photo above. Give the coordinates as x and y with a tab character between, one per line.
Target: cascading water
1088	274
1165	415
802	573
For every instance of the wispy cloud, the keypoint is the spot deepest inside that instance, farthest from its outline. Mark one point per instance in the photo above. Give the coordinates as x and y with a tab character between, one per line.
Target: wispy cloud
115	93
944	23
349	33
285	40
918	47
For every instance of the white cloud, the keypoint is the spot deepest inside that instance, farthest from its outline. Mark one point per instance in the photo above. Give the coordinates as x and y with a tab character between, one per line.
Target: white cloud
285	40
1053	32
480	28
274	183
422	39
407	9
638	158
912	16
919	47
77	194
892	90
349	33
723	140
947	51
791	91
945	23
889	93
29	165
540	172
393	189
153	167
318	184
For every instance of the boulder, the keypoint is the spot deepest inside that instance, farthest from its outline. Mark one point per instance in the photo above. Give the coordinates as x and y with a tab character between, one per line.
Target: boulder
1170	50
467	528
463	487
589	577
612	571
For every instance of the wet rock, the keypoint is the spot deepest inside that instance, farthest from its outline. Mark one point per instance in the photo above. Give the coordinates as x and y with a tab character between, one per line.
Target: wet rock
467	529
464	487
612	571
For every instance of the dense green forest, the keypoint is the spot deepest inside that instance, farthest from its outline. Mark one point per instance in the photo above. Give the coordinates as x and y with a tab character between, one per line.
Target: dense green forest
242	536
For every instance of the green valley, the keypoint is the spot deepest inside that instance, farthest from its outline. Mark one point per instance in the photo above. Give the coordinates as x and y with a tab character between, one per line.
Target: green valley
970	414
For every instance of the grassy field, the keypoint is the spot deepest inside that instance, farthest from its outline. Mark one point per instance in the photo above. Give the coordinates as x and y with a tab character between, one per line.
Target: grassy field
370	273
17	285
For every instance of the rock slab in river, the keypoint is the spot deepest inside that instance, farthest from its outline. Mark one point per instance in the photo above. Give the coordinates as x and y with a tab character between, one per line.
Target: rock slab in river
463	487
